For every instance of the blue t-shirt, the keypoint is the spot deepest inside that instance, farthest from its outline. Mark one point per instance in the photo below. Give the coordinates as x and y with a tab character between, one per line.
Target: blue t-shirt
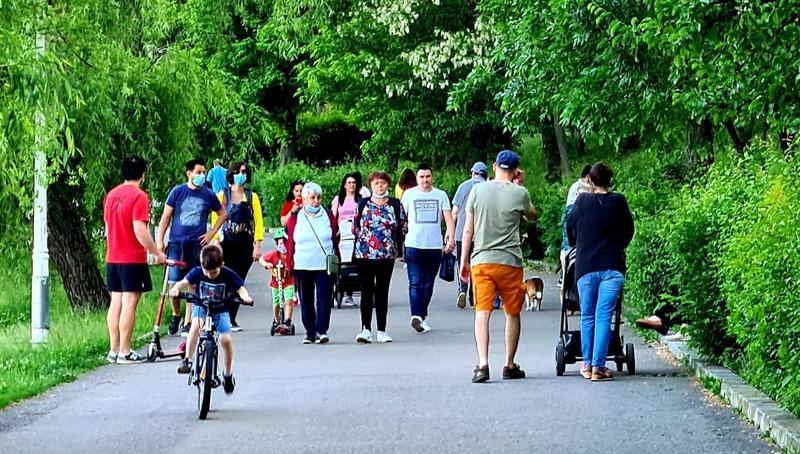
191	212
227	282
217	178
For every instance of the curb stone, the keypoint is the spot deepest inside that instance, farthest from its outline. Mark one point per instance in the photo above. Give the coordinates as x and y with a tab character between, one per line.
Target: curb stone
766	415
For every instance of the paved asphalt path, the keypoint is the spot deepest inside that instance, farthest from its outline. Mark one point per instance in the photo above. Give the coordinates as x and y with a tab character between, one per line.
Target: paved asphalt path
413	395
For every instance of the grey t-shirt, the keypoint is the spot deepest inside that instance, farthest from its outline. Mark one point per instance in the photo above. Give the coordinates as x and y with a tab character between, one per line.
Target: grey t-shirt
498	208
460	200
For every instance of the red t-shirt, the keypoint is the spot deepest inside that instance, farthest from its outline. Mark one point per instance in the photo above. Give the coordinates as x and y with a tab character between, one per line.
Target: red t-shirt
273	257
123	205
287	207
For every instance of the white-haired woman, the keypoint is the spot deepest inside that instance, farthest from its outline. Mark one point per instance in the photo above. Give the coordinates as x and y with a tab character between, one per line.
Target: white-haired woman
313	235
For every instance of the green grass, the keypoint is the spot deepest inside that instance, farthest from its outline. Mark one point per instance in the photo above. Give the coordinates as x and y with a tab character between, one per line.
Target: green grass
78	342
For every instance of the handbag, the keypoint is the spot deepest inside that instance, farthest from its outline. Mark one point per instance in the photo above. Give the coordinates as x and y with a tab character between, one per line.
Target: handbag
447	270
331	260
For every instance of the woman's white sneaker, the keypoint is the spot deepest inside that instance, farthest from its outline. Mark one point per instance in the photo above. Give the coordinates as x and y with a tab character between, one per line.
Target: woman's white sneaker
365	336
383	337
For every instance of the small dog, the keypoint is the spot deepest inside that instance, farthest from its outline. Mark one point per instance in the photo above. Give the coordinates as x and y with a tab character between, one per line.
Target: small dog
534	288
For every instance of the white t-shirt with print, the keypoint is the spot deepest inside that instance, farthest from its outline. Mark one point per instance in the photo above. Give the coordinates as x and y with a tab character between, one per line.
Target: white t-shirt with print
424	210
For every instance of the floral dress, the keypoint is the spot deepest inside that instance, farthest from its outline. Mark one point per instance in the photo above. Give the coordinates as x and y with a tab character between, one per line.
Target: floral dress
375	232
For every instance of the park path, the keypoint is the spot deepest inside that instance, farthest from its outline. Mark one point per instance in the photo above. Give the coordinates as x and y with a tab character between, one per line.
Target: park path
413	395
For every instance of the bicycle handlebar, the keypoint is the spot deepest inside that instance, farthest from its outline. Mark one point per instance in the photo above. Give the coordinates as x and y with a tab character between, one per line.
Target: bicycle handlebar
188	297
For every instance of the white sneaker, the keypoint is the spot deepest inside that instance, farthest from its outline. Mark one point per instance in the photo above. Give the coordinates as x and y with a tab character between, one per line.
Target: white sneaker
462	300
349	302
416	323
323	339
425	326
365	336
383	337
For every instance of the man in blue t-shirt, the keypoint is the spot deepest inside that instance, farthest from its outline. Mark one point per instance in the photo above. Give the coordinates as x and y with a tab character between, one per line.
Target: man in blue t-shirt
188	207
217	177
212	280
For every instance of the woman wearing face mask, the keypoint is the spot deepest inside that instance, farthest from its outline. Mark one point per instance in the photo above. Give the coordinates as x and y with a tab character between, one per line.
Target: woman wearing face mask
313	235
243	230
344	209
380	227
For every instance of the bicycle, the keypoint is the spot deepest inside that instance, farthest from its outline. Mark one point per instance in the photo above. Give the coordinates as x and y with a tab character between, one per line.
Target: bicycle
205	374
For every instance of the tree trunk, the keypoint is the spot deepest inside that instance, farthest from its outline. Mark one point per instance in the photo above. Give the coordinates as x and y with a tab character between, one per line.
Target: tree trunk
700	143
550	152
563	153
581	145
786	140
73	255
738	143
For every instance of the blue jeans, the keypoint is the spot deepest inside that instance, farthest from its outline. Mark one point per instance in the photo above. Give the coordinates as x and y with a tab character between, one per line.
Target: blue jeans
598	292
316	291
423	267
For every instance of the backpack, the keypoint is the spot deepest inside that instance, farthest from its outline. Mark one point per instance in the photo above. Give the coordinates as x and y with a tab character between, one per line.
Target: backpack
399	237
240	224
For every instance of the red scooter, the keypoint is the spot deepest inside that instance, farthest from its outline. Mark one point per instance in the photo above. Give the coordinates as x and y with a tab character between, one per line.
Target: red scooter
154	350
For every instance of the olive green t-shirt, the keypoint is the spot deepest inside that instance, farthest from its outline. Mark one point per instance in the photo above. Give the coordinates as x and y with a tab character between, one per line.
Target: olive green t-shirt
497	209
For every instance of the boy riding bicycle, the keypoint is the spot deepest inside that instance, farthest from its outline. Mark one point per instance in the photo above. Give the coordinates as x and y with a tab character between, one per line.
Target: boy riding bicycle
212	280
279	262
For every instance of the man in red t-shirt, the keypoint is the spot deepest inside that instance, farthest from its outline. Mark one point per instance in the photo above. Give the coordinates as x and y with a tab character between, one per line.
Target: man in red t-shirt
126	212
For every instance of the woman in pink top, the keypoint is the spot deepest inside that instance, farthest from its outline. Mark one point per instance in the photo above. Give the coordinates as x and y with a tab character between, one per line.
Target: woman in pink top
343	208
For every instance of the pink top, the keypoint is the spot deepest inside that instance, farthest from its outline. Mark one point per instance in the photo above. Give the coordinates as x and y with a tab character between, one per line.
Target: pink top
348	209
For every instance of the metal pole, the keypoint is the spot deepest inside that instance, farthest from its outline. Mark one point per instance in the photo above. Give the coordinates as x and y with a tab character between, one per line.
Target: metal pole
40	285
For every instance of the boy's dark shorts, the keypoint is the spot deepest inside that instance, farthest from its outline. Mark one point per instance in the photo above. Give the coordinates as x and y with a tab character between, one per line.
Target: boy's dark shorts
128	277
187	252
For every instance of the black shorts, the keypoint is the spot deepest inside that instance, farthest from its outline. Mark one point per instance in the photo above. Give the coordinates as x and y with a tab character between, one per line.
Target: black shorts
128	277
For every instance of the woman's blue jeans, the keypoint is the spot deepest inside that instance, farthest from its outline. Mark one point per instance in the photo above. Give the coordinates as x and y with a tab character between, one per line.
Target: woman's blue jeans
598	292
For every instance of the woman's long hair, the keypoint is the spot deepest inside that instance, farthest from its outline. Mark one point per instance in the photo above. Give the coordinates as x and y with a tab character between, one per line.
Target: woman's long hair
343	190
290	194
408	179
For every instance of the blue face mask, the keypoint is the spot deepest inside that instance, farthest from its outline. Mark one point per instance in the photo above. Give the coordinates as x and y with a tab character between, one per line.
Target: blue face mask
199	180
281	249
239	179
313	210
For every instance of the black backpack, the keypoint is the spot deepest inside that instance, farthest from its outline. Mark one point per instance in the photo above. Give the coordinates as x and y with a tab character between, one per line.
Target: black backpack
239	230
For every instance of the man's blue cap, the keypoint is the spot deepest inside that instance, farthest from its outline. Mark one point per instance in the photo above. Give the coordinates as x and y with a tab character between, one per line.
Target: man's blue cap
507	159
479	167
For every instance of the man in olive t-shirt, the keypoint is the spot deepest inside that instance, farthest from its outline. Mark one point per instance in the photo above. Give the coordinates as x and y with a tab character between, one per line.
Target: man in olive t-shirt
494	211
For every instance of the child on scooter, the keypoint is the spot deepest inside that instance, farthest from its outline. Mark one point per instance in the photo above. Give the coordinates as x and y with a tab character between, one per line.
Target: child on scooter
270	261
209	279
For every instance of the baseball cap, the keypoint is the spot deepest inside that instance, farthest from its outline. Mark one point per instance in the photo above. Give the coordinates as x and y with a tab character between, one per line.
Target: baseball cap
507	159
479	167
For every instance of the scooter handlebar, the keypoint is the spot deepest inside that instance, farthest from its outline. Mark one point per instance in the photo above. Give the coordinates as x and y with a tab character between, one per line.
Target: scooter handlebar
178	263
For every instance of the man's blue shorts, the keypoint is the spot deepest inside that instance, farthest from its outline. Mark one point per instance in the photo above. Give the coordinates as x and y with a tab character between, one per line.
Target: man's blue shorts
187	252
222	321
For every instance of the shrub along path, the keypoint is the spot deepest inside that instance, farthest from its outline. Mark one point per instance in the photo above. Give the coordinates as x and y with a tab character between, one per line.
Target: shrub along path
412	395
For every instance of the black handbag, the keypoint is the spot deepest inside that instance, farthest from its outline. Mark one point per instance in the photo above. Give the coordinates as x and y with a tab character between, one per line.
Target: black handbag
447	270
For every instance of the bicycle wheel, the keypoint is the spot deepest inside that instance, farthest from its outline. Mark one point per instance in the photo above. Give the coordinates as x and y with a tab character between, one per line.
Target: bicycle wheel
208	370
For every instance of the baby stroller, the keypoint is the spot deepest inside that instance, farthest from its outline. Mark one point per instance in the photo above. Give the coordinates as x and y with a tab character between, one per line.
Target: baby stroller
568	349
346	282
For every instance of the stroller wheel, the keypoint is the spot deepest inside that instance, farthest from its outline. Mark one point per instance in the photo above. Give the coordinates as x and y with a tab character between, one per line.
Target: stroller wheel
560	363
272	330
619	366
291	330
631	358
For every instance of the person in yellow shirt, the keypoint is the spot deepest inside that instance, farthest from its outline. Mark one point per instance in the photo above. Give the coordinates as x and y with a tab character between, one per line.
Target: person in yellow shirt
243	230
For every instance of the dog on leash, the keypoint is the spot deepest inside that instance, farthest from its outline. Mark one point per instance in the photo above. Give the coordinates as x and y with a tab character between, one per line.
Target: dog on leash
534	289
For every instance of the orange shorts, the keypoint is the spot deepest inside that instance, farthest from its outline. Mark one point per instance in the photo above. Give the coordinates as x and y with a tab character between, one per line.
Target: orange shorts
489	279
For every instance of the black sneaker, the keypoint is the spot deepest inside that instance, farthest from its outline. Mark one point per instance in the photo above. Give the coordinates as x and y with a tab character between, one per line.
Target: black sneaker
185	330
513	373
174	324
228	384
235	328
481	374
185	367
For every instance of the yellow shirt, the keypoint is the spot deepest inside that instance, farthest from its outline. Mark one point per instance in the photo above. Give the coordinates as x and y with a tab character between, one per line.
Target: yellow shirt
398	192
257	216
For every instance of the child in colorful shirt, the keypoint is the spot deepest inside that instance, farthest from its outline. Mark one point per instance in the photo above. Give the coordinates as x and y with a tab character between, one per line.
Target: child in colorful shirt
279	262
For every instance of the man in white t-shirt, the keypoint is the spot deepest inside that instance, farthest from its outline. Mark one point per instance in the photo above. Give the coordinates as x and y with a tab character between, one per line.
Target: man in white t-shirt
425	206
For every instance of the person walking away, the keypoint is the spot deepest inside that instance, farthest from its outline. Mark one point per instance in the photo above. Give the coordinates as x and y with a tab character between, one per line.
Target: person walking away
187	208
600	227
380	227
293	201
126	213
279	261
494	211
243	231
477	175
217	177
426	207
407	180
343	207
313	236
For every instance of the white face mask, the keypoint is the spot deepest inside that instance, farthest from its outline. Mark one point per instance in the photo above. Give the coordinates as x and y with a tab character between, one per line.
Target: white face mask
385	195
